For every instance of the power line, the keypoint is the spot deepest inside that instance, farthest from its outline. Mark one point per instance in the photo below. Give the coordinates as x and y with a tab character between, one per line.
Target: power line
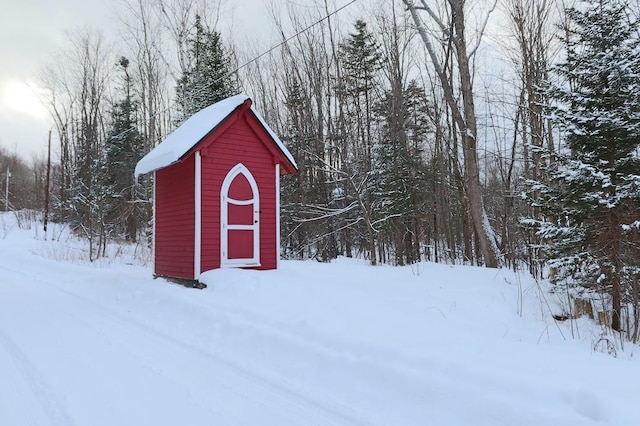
285	41
244	65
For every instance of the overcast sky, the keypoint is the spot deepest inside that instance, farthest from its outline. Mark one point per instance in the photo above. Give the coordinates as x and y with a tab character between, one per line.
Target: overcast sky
32	31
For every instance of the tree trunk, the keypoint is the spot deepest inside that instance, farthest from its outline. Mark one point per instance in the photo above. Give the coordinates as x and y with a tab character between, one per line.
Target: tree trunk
614	238
483	229
465	119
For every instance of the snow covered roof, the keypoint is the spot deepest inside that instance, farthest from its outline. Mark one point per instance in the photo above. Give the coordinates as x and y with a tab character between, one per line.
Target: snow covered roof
192	131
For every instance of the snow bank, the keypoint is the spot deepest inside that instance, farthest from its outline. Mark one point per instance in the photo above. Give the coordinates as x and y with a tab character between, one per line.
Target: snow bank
340	344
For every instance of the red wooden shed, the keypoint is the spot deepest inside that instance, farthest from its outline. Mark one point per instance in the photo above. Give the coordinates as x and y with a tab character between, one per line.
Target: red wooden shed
217	192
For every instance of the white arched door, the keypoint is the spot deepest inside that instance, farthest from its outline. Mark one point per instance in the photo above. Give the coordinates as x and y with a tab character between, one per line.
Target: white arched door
239	219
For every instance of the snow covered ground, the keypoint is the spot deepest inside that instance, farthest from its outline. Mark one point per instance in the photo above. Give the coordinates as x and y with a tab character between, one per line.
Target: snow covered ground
309	344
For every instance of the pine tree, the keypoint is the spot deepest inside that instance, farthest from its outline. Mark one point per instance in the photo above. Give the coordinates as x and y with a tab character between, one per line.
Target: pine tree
295	189
307	203
360	58
399	172
123	149
591	203
209	78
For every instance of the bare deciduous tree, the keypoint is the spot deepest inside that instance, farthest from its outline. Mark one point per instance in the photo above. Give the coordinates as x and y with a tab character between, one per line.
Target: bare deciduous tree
452	34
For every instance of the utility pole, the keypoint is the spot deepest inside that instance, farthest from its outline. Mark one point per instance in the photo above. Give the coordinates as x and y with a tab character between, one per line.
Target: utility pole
6	192
46	188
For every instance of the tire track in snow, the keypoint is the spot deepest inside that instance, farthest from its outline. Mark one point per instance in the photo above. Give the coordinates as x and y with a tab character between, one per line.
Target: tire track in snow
242	381
54	409
287	399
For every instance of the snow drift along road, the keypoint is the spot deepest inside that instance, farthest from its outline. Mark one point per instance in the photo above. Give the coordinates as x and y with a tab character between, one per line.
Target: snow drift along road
310	344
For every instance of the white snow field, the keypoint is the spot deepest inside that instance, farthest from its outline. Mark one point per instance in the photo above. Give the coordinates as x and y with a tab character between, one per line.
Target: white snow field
309	344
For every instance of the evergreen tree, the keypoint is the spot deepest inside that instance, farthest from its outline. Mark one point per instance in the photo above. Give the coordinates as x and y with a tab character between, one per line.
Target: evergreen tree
360	59
123	149
400	170
307	205
295	190
591	203
208	78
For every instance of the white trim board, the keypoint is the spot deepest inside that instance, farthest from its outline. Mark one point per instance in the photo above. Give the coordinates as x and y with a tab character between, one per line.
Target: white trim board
197	246
278	248
154	229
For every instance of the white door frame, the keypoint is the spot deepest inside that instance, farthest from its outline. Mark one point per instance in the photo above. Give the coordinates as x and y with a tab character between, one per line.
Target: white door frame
224	219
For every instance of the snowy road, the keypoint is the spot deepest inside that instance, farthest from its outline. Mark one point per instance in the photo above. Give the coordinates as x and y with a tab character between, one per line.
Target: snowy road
310	344
82	357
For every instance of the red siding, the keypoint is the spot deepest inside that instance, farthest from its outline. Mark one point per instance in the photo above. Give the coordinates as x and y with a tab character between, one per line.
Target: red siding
239	143
175	219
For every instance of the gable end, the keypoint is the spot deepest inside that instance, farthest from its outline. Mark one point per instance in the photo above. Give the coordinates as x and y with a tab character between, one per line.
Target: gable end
265	137
219	129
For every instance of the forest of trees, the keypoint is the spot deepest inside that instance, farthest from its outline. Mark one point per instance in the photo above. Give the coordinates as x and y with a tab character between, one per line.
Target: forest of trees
503	134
